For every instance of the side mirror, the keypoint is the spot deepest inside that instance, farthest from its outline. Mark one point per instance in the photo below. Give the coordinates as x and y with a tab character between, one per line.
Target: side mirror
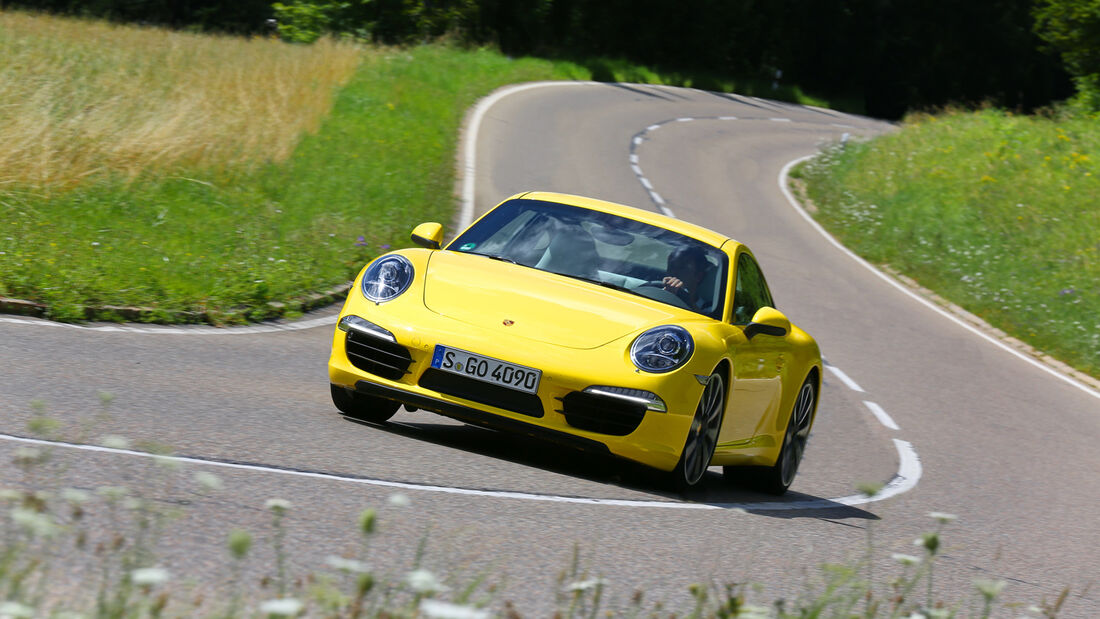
768	321
428	235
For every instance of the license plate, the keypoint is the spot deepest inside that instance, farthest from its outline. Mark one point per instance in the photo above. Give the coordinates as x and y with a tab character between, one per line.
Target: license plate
486	369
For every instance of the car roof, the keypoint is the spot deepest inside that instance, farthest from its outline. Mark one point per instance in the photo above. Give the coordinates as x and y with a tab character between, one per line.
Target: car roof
670	223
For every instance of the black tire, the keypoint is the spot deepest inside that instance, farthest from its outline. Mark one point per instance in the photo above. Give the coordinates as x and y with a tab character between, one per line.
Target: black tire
777	478
363	407
702	437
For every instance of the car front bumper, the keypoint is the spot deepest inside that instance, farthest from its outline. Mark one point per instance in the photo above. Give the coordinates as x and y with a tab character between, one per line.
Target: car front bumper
560	411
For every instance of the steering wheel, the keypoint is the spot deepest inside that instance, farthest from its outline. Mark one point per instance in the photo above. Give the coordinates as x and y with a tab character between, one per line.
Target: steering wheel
658	293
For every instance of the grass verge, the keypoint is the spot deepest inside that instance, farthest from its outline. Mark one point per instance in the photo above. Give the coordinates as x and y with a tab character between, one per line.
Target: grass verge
993	211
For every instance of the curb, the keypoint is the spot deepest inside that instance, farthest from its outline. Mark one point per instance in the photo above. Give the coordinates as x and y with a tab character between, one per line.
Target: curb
112	313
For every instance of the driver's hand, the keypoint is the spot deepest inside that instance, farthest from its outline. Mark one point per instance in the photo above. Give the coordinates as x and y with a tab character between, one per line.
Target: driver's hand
672	284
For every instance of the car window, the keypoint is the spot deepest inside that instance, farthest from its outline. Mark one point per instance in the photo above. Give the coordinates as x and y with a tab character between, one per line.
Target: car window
750	292
605	249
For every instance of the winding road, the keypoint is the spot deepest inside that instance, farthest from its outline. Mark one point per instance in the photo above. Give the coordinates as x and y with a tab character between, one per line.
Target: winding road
948	420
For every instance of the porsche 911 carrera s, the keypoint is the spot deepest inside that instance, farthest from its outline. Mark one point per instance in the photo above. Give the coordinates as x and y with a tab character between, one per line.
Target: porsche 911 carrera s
591	324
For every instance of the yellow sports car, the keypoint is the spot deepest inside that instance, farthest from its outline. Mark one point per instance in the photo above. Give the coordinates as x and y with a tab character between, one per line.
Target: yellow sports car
591	324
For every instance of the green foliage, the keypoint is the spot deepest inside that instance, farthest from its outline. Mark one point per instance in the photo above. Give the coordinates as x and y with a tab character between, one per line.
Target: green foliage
379	21
993	211
304	21
1072	28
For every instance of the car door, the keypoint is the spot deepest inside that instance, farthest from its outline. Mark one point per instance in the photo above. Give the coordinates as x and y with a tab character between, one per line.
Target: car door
757	361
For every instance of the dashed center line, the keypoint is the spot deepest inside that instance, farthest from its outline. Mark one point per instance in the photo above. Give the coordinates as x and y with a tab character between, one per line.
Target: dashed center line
844	378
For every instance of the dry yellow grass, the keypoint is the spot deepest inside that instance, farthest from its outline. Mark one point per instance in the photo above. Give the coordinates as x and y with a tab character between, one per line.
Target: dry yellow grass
79	97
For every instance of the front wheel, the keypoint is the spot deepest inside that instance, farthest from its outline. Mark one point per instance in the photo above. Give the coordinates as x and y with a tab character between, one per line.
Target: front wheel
362	406
777	478
702	436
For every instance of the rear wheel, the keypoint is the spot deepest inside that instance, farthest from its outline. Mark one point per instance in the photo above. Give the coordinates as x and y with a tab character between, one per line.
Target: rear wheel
361	406
777	478
702	436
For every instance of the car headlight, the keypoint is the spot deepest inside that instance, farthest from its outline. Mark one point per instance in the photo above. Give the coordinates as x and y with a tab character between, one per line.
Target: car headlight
387	277
662	349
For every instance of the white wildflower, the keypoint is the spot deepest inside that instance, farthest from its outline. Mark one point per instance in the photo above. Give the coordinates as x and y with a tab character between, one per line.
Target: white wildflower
149	576
423	581
989	589
208	480
347	565
279	506
167	463
754	612
14	610
586	585
112	493
35	523
445	610
283	607
75	496
113	441
25	456
905	559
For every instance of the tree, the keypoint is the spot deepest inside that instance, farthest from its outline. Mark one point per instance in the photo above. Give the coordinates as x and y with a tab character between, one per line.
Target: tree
1072	28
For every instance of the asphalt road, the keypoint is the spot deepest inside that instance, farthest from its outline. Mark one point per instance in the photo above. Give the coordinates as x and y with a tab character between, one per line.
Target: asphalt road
1002	444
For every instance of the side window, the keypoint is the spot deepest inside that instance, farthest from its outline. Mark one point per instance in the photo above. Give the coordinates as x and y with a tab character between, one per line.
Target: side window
751	292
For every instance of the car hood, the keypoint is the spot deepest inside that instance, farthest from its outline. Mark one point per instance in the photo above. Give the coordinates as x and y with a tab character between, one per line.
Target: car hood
524	302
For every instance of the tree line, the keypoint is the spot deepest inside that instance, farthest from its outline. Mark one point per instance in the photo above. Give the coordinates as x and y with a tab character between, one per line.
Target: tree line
894	55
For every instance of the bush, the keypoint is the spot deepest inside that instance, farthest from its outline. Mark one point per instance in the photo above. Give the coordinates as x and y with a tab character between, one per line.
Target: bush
1072	28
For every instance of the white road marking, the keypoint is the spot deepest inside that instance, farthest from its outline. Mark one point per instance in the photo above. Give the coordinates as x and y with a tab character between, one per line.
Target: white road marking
881	415
912	295
469	152
780	120
908	473
839	373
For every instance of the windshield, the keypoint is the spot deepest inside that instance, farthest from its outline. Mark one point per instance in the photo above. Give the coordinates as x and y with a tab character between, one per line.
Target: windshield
604	249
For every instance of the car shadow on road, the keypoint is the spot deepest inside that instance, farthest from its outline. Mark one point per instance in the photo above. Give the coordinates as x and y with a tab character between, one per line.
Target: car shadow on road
714	490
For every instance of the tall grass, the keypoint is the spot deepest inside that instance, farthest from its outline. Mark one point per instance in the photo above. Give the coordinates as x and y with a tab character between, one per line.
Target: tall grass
995	211
82	97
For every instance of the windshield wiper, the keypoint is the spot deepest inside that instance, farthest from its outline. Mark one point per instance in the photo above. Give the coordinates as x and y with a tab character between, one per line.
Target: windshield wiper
497	257
600	282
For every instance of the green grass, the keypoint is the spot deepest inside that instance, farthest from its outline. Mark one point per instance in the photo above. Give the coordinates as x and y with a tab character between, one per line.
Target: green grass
996	212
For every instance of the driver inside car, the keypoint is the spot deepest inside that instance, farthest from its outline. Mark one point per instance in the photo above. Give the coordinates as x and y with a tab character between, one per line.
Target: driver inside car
686	267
